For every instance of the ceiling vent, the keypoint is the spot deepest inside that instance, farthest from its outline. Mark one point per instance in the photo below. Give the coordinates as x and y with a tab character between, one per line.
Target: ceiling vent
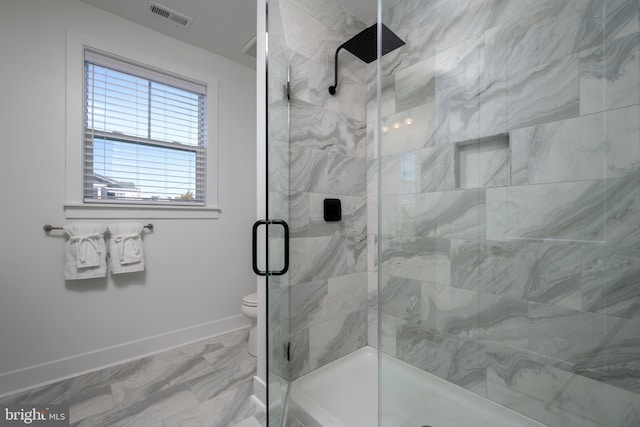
171	15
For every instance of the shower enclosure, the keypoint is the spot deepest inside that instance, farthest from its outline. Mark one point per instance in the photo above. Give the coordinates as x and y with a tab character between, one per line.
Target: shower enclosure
489	177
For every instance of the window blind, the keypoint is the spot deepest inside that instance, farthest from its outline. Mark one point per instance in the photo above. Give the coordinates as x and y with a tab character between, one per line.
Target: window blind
144	135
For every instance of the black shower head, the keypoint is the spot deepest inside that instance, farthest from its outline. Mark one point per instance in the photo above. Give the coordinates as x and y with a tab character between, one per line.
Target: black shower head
364	45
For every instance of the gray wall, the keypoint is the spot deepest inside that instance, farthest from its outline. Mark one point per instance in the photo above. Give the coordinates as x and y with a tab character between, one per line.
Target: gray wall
196	270
513	268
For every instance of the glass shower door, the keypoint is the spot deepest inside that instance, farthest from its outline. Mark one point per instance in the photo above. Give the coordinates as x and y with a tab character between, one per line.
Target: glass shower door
277	216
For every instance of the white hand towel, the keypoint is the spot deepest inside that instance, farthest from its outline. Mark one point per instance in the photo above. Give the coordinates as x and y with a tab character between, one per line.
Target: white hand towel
125	248
85	251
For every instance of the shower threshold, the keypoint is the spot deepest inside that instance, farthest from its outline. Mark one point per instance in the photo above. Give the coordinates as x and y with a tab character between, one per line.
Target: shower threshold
344	393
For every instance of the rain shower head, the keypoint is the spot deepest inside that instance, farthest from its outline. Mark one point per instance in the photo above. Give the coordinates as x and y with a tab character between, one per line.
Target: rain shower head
364	45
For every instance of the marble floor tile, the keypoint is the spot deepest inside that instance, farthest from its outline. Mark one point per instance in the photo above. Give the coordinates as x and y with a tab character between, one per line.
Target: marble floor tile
204	383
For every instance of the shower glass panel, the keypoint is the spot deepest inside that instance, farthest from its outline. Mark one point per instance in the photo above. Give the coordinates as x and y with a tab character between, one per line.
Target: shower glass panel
509	218
277	209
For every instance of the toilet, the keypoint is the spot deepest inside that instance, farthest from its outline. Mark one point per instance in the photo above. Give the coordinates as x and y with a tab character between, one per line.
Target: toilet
250	309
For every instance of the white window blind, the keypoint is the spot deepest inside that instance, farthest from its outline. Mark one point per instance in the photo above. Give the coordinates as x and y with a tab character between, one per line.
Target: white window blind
144	137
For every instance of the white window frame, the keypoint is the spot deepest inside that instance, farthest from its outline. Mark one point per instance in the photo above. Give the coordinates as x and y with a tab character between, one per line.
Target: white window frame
74	206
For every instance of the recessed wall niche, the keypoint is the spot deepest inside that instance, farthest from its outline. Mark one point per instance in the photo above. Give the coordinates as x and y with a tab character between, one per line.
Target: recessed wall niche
484	162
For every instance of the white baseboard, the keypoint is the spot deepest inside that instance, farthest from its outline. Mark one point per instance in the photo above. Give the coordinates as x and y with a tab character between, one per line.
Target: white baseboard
46	373
260	391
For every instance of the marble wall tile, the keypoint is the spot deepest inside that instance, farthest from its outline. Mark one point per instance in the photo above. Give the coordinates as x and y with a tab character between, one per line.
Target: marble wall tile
546	273
324	130
452	311
622	19
461	66
278	157
401	173
573	211
278	321
308	215
502	320
300	362
332	15
545	93
310	81
325	172
388	333
614	360
617	361
437	170
622	222
611	281
550	30
415	85
419	258
530	67
308	304
622	147
387	96
553	396
603	211
610	75
519	140
469	367
307	35
416	24
460	21
336	338
535	40
460	362
566	150
297	204
478	111
347	294
400	297
455	214
565	335
318	258
426	349
409	130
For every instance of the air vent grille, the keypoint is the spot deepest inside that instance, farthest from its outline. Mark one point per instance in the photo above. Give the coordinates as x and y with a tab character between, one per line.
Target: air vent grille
171	15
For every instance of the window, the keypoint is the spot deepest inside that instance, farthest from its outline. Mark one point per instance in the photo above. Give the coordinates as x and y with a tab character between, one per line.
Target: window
144	135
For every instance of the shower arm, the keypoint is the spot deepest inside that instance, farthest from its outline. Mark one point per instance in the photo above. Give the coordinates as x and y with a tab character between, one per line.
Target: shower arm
332	89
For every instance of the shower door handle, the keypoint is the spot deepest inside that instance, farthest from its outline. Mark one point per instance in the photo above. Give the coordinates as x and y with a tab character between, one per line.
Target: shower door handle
254	239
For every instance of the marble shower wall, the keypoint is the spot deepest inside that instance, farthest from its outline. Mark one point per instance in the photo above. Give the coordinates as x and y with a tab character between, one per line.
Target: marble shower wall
510	202
327	286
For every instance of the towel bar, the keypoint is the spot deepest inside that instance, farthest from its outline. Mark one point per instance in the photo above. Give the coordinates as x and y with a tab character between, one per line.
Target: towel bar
48	227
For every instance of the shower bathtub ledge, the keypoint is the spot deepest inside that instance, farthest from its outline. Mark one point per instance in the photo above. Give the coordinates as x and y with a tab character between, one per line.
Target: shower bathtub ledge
344	393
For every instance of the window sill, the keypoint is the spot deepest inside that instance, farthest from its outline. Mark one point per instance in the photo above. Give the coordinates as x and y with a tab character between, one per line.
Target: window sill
93	211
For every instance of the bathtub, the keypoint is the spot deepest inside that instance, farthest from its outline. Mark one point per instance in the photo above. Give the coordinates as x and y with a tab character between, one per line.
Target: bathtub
344	393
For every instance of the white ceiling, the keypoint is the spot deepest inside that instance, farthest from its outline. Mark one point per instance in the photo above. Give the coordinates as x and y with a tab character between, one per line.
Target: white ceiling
220	26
